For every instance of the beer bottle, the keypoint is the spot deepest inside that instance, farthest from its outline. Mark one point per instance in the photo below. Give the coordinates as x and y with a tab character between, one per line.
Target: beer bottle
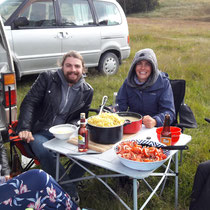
165	136
16	166
82	134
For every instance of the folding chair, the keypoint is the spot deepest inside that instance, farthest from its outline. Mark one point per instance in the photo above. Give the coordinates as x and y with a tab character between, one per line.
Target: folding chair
184	115
21	145
15	141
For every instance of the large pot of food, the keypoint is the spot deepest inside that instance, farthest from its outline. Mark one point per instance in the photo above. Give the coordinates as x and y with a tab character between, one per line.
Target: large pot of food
135	119
106	128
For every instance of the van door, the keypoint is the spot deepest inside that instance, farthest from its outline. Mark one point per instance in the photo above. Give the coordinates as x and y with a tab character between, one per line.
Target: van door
80	30
40	48
8	93
114	27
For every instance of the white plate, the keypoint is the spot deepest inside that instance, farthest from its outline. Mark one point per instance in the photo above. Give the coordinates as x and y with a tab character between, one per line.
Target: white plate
143	166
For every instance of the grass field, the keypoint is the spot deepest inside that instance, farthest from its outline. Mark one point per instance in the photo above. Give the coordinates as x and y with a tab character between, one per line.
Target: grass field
179	33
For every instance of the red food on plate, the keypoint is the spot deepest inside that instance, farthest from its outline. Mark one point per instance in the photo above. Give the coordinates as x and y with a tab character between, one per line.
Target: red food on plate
132	151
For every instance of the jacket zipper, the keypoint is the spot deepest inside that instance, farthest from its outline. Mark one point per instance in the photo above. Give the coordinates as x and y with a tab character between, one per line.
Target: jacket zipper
67	96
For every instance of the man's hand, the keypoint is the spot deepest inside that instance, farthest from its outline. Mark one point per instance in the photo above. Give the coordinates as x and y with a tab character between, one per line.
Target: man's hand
7	177
26	135
149	122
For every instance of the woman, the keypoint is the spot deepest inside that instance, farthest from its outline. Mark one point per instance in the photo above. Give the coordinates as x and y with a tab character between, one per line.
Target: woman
33	189
147	90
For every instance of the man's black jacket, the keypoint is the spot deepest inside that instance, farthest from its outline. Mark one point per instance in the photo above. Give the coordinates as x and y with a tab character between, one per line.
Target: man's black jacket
41	104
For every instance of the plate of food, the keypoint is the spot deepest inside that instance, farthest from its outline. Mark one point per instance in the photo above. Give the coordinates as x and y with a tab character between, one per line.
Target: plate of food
144	155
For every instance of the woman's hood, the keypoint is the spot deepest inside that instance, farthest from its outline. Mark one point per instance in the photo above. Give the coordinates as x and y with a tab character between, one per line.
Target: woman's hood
145	54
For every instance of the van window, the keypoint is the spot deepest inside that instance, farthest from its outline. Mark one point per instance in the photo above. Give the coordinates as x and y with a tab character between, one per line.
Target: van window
75	13
8	7
107	13
39	14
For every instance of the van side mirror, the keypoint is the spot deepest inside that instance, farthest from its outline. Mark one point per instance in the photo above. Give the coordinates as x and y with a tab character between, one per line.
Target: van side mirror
21	22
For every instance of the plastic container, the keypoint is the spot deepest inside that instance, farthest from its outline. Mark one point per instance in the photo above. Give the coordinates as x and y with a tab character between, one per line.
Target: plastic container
175	133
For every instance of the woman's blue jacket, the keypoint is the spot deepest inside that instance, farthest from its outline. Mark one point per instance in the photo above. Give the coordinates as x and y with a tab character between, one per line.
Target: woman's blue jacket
156	100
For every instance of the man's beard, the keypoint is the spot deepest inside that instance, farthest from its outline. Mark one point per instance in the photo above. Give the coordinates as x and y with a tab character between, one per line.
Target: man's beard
72	81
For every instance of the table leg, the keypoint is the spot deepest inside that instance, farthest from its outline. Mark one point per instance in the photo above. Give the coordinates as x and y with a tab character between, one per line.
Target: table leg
135	200
57	166
176	179
104	183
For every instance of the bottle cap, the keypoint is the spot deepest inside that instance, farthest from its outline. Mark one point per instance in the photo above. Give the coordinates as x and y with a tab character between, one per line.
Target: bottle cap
82	115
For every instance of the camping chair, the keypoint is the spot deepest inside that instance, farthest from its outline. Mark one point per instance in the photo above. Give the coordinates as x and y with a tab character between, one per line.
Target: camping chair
15	141
184	115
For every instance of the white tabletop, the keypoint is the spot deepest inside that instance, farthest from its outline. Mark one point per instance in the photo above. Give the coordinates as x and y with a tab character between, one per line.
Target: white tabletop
109	159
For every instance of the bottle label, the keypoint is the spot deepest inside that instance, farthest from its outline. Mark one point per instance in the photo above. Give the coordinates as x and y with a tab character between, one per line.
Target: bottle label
165	140
81	140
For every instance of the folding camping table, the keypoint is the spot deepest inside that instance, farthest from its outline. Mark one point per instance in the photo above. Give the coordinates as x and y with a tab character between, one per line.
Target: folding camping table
109	160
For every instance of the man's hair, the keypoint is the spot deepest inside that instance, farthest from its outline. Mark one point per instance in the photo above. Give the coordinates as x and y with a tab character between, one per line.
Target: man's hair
73	54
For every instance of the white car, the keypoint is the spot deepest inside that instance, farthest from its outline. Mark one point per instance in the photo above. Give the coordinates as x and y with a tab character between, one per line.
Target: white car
40	32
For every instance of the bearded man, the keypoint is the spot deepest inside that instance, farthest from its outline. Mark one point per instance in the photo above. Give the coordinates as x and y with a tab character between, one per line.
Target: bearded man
56	97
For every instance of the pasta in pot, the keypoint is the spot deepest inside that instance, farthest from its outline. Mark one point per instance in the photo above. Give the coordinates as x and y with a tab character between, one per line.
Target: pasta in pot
106	120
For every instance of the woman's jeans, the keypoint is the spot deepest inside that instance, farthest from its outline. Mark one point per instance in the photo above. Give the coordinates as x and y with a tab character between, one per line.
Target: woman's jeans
47	160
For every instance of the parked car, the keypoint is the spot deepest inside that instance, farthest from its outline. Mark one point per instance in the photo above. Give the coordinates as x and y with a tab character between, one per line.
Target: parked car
8	93
40	32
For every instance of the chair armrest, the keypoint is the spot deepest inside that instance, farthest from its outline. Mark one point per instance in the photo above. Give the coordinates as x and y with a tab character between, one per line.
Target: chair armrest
207	120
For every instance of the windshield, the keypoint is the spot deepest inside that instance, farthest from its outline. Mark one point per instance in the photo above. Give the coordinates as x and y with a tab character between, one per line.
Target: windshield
7	7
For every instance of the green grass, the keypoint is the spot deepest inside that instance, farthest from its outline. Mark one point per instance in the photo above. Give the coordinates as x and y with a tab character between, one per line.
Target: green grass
179	33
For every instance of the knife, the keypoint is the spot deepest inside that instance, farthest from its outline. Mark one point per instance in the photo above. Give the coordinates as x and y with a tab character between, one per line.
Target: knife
178	147
83	153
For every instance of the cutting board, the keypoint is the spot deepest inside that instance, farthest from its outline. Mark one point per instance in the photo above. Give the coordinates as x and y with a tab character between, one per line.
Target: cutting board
98	147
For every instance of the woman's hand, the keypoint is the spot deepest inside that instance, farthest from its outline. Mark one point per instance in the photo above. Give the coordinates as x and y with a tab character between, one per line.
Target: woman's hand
26	135
149	122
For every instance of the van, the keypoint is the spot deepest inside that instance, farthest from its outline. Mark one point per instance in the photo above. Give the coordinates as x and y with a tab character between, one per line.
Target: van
40	32
8	93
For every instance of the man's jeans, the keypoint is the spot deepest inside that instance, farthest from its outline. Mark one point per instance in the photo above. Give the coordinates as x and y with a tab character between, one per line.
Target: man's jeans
47	160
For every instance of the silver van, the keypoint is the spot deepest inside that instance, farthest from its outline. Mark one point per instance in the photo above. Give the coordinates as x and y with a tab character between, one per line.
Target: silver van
41	31
8	93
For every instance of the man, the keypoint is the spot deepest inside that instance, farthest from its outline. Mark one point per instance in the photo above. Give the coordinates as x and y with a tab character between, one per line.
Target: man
55	98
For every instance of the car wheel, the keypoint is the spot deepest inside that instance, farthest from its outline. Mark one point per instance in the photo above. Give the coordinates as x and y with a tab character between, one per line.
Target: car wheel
108	64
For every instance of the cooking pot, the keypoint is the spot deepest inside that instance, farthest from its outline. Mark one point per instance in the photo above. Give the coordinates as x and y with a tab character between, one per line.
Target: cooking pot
105	135
135	125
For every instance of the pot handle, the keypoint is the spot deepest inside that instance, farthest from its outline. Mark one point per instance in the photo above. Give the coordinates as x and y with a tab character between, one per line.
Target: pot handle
127	122
104	100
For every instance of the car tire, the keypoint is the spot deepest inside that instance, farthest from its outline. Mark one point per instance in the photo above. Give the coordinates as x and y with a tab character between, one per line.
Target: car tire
108	64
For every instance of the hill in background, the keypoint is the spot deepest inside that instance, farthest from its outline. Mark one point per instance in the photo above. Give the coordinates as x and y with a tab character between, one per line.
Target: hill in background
197	10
